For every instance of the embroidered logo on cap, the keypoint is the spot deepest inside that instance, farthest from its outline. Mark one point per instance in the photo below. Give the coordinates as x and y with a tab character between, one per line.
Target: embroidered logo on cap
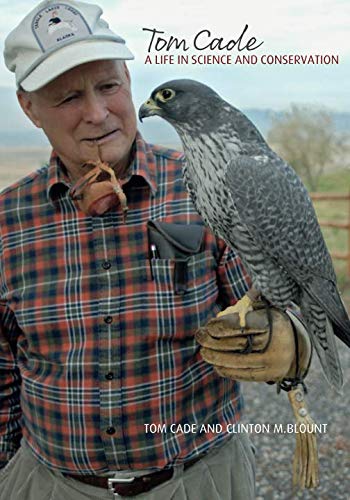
56	24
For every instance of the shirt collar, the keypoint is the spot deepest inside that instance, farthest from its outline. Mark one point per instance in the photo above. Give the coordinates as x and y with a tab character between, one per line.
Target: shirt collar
143	164
58	181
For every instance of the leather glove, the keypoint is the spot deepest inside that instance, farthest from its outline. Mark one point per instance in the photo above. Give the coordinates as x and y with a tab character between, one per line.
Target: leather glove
273	346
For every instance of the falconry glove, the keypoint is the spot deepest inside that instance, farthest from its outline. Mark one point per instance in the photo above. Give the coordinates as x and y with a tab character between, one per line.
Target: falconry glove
273	347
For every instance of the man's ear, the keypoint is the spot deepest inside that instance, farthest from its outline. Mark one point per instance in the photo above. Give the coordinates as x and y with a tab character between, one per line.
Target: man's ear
25	100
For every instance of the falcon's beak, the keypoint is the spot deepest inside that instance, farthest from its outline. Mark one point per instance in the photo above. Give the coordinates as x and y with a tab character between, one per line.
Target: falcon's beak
148	108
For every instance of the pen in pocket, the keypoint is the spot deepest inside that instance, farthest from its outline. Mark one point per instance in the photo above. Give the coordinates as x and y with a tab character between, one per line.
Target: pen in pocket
153	255
154	251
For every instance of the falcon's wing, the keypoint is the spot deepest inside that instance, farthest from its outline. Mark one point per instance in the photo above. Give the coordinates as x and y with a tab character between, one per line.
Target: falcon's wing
277	211
275	207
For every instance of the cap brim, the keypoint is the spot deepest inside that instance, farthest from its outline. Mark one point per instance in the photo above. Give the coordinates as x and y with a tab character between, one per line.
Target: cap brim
71	56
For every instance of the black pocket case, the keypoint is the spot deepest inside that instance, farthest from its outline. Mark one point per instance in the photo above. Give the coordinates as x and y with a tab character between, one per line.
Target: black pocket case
178	242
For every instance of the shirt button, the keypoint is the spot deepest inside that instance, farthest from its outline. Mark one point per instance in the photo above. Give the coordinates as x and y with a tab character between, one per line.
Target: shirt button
110	430
108	320
106	265
109	376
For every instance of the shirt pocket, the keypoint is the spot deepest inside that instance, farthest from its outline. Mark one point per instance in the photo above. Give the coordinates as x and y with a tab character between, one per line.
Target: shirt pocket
183	309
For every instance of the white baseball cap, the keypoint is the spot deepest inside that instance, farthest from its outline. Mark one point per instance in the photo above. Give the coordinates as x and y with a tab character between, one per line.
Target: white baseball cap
57	36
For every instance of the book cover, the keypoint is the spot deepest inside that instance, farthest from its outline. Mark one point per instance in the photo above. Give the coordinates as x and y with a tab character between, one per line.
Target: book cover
286	65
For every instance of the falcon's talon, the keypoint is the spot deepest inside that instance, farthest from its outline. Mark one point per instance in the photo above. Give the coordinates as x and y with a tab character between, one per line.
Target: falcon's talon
242	321
242	307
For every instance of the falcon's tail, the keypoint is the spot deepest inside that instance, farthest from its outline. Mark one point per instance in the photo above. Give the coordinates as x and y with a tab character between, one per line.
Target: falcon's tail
323	339
326	295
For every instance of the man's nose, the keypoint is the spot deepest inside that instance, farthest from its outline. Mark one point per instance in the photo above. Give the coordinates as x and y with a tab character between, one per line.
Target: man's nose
95	109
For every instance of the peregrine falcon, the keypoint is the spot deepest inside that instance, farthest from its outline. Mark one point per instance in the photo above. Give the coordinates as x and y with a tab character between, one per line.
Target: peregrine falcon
257	204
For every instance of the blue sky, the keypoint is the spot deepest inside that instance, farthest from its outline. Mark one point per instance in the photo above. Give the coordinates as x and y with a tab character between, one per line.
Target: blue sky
285	26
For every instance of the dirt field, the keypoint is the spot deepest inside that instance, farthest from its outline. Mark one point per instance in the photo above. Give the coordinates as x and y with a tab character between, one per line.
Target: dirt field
16	163
275	450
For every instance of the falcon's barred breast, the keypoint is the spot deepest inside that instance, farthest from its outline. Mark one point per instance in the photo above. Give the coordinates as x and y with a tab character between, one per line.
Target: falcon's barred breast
255	201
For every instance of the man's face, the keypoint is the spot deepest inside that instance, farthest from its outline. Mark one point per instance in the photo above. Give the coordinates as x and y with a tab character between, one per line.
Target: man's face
89	103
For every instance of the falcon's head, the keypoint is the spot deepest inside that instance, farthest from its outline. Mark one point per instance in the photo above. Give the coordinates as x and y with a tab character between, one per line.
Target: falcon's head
182	101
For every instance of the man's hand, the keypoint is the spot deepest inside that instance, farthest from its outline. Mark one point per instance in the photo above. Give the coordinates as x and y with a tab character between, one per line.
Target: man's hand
264	351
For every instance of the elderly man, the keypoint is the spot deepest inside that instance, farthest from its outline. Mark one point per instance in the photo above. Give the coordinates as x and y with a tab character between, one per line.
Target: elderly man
103	389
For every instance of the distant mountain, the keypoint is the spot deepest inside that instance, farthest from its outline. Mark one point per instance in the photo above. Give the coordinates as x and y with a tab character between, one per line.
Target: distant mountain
17	131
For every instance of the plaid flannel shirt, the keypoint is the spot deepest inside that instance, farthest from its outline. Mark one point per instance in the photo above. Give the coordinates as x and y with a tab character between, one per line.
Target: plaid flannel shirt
93	346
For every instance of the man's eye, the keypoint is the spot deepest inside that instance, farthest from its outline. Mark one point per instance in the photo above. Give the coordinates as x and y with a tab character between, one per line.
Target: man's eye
110	86
69	98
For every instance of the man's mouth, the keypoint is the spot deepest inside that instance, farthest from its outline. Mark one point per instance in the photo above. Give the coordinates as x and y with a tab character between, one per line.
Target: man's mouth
101	138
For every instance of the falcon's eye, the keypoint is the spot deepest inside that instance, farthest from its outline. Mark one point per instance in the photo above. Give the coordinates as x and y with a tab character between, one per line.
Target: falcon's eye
165	95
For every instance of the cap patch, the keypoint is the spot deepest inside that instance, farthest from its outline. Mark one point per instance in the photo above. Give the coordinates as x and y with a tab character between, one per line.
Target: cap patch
57	23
